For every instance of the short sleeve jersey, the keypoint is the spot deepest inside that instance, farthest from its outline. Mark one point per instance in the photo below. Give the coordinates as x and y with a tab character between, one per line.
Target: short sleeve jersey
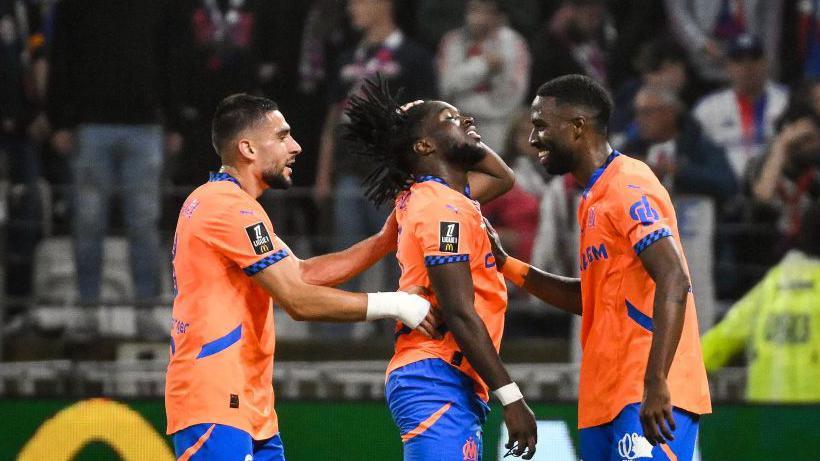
222	338
438	225
623	211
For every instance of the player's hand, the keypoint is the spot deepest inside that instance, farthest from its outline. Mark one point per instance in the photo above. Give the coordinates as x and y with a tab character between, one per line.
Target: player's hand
495	243
412	309
429	326
521	426
411	104
656	413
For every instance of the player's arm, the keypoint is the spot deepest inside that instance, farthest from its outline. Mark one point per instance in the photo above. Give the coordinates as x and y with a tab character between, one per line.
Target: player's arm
453	286
341	266
664	263
302	301
559	291
490	178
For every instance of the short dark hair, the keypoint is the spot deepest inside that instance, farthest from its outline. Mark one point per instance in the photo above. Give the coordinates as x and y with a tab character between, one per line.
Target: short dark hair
580	90
236	113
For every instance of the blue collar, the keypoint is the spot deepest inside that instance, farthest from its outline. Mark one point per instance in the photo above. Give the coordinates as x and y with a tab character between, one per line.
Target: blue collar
597	173
222	176
429	177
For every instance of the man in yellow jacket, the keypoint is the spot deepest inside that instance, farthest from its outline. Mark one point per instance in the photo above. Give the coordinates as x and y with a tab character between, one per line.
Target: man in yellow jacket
778	322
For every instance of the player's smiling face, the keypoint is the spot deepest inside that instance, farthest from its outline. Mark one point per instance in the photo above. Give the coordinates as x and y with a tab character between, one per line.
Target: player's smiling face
455	135
276	150
553	135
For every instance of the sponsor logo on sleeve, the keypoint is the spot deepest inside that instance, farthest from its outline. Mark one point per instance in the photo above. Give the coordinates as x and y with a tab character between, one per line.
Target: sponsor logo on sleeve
448	236
259	237
642	211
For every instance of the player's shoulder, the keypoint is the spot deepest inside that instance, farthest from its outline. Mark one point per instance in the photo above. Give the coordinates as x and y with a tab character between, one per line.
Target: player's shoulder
428	201
632	174
221	200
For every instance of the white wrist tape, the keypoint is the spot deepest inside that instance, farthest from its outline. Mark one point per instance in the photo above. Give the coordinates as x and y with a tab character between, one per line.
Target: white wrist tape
410	309
508	394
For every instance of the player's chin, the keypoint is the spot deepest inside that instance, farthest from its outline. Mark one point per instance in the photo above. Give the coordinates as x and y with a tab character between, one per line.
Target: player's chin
279	181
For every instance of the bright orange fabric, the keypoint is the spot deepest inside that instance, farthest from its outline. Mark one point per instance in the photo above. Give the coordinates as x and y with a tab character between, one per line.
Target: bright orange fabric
622	213
221	367
425	213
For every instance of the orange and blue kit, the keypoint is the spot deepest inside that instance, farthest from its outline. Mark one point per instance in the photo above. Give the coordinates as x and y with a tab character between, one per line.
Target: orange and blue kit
437	399
625	210
220	375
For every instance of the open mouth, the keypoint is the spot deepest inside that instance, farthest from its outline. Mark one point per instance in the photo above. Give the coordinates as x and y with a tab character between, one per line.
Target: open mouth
473	133
543	156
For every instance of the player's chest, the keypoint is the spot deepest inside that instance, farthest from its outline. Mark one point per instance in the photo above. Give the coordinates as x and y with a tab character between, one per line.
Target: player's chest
596	247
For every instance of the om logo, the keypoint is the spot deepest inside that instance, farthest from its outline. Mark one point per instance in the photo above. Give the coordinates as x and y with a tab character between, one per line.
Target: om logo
470	450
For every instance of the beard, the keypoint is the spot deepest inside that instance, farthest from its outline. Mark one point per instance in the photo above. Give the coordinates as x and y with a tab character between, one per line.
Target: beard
559	161
277	180
465	155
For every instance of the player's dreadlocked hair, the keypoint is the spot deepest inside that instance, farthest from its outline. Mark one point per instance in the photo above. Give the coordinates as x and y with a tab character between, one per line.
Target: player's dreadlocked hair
381	131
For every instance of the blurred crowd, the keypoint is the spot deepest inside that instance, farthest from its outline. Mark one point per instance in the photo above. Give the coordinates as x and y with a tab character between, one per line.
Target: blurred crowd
105	110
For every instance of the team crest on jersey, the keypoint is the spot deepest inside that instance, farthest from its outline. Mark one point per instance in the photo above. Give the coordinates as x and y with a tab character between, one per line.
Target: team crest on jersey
448	236
259	237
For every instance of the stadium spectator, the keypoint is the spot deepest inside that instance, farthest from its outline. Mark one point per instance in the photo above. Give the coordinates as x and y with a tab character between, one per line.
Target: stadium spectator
661	63
676	149
776	324
223	48
384	49
575	40
108	88
741	118
23	129
706	27
787	179
483	68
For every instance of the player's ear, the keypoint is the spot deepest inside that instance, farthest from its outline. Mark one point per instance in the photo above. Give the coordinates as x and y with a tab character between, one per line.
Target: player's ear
579	124
423	147
246	150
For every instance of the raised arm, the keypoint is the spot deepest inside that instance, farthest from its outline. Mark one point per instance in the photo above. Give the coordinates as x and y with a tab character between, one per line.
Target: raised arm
490	178
561	292
336	268
664	263
453	286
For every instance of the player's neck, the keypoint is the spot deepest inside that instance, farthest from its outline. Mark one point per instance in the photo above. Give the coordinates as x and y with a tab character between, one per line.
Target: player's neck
247	181
595	158
455	178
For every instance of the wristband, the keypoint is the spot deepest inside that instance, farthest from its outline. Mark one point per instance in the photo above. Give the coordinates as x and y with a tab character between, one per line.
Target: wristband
380	306
515	271
410	309
508	394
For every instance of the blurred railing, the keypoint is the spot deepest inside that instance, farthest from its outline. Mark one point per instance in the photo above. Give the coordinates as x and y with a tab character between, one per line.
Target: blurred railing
337	380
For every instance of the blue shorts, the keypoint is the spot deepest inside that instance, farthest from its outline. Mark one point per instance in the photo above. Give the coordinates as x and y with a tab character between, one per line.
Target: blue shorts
622	439
437	411
217	442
